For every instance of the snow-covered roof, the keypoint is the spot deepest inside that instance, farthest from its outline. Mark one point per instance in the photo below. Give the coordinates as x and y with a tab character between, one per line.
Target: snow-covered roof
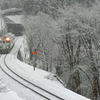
13	19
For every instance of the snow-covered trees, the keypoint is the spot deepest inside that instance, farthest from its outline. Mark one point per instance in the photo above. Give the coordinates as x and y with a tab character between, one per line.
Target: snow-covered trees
40	31
51	7
80	36
68	43
5	4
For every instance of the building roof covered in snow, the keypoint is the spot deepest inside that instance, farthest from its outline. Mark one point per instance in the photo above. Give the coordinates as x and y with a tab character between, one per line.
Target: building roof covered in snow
13	19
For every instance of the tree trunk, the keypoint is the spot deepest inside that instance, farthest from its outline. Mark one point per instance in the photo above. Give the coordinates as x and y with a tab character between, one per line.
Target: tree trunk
74	82
31	54
95	73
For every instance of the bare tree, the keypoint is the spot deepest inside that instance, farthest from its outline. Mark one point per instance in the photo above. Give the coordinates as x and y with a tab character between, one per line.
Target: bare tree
39	31
80	35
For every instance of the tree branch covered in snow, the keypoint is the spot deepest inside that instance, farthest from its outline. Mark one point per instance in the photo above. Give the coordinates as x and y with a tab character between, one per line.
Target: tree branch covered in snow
65	38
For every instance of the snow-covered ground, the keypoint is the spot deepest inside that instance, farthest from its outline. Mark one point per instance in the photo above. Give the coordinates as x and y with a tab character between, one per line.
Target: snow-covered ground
9	96
46	80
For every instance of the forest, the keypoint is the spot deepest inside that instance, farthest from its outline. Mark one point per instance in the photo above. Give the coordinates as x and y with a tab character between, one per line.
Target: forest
66	36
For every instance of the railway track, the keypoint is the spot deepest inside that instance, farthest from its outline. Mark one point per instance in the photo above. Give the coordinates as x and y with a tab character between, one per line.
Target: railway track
31	86
27	84
16	77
